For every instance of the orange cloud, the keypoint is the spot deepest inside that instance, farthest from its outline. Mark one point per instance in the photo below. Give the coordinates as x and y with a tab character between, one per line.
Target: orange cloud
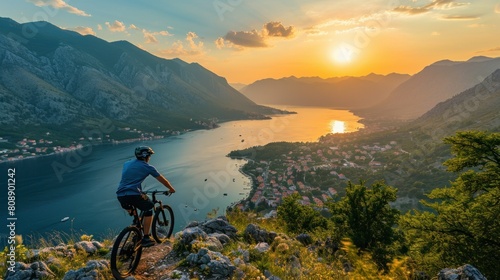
59	4
116	26
83	30
178	48
434	5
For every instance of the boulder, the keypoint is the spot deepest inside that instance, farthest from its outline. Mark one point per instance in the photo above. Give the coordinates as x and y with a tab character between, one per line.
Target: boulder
304	238
219	266
36	270
262	247
219	225
188	235
256	234
466	272
93	270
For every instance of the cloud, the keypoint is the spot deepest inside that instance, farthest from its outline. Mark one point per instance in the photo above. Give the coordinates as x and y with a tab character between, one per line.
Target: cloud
59	4
83	30
250	39
187	48
435	33
255	38
99	27
497	8
116	26
276	29
151	36
460	17
434	5
497	49
132	26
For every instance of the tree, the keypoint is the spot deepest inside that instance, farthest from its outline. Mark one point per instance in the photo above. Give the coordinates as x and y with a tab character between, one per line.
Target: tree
368	219
300	218
464	226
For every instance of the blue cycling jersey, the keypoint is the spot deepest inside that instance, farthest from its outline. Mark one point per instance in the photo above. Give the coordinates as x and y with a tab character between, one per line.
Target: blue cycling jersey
133	174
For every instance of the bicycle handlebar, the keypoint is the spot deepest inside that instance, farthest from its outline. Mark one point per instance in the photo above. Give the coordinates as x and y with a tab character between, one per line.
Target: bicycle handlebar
167	193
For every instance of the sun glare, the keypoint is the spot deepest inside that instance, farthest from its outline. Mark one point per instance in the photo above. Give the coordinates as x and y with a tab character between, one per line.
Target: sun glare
337	126
343	54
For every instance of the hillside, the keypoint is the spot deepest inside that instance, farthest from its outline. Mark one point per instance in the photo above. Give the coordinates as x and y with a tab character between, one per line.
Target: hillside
339	92
435	83
473	109
58	82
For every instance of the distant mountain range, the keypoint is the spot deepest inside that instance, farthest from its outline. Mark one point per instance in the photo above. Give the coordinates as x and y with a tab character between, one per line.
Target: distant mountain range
435	83
58	80
341	92
393	96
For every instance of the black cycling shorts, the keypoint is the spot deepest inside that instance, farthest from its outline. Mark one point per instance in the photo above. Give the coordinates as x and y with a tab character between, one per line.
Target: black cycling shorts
142	202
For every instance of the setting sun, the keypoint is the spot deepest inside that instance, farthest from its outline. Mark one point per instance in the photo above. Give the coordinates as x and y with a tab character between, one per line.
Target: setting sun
337	126
343	54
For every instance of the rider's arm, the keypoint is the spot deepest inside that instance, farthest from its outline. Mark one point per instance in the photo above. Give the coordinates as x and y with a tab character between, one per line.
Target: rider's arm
166	183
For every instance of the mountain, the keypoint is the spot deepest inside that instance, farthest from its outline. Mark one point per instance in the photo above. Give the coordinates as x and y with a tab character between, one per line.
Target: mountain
55	80
238	86
340	92
473	109
435	83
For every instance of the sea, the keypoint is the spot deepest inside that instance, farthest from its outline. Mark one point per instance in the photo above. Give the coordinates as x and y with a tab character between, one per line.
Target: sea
196	163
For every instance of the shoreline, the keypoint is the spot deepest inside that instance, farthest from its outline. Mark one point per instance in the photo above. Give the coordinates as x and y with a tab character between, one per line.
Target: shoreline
67	150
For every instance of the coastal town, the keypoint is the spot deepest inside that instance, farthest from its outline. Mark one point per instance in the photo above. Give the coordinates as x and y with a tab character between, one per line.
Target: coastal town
317	171
29	148
49	144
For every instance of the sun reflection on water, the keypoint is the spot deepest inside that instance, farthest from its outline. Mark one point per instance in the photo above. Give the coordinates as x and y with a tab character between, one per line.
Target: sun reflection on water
337	126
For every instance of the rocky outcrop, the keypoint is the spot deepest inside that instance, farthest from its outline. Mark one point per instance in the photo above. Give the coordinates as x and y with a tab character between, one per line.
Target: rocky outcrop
254	233
466	272
218	265
39	269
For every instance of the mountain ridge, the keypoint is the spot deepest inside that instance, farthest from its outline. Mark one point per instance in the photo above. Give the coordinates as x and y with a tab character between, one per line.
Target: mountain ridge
331	92
54	77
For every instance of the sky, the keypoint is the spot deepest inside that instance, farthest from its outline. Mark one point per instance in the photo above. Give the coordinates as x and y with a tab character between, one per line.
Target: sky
248	40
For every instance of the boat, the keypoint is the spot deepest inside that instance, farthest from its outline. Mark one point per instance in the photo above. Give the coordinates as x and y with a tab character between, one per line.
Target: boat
64	219
225	194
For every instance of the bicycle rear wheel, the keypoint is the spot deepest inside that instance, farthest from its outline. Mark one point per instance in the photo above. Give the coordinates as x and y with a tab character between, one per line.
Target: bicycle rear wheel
163	224
126	252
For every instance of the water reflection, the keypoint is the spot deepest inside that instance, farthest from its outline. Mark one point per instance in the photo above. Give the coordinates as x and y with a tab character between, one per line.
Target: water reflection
337	126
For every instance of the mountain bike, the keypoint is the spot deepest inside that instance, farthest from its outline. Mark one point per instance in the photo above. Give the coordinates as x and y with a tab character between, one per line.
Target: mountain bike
127	248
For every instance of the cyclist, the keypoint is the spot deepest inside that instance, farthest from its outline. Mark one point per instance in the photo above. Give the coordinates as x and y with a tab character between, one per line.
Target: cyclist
129	190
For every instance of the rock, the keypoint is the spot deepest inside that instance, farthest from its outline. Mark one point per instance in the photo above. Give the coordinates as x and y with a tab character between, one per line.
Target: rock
304	238
262	247
36	270
223	238
242	253
92	270
219	266
87	246
466	272
254	233
188	235
219	225
210	242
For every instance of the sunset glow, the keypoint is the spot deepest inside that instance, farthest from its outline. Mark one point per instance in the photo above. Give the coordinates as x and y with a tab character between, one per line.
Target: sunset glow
285	38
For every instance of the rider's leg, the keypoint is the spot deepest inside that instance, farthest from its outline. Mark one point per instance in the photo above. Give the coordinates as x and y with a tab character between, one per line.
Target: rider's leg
146	223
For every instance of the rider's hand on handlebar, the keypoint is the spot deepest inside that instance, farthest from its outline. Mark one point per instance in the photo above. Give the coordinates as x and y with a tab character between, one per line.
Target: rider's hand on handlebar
171	190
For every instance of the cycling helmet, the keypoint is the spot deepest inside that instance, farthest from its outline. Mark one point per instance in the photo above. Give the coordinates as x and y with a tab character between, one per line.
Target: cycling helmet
143	152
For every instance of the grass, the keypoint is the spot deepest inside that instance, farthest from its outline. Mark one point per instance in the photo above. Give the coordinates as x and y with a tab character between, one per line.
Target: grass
57	261
289	259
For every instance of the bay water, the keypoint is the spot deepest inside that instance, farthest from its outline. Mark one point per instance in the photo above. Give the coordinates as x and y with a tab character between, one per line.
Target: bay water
196	164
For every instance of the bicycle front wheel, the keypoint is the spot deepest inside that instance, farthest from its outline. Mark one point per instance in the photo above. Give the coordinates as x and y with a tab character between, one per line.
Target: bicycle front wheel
126	252
163	224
